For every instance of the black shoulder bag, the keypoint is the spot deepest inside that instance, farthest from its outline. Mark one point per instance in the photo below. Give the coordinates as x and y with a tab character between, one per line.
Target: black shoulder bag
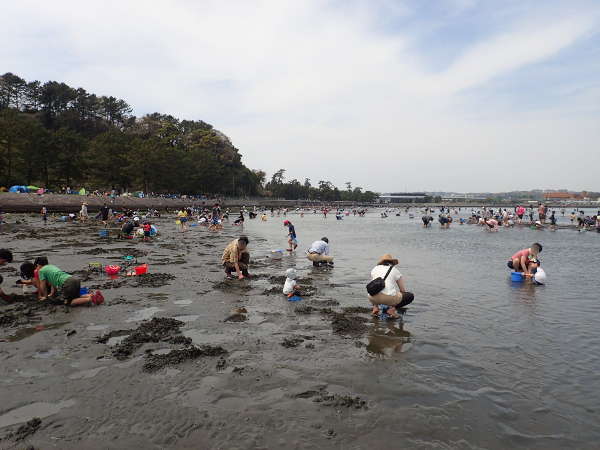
378	284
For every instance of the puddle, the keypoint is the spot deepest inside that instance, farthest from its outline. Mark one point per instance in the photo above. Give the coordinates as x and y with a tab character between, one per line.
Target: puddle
183	302
187	319
30	373
85	374
45	354
144	314
23	333
200	337
116	340
28	412
97	327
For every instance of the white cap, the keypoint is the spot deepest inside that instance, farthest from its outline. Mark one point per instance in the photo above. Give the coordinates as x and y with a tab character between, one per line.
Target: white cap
291	274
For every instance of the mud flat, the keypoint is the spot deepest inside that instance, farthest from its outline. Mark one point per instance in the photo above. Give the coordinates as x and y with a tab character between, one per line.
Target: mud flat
181	358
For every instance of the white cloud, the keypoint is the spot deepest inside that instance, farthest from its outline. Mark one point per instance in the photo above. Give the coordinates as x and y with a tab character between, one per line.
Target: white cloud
316	87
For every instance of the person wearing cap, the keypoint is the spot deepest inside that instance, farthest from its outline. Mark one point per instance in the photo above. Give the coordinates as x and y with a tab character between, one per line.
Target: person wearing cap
394	294
292	241
318	253
237	258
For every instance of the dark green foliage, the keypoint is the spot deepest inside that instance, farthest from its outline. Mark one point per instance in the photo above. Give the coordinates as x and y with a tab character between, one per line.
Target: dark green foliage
54	135
326	191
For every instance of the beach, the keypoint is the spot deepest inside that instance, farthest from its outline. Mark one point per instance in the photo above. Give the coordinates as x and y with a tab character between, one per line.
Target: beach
476	362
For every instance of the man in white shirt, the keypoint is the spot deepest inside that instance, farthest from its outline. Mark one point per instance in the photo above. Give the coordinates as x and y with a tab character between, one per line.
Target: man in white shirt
394	293
318	253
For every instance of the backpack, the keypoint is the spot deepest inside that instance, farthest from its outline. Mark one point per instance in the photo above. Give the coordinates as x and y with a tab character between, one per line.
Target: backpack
378	284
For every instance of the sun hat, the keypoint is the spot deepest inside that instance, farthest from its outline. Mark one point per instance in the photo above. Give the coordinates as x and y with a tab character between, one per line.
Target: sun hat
286	222
387	258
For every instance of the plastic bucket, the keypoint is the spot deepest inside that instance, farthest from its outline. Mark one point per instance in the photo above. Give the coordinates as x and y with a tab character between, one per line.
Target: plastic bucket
112	270
141	270
516	276
294	298
103	233
83	291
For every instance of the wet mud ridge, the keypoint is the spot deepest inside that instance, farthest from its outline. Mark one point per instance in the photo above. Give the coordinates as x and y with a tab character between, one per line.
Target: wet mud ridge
23	432
159	329
24	310
335	400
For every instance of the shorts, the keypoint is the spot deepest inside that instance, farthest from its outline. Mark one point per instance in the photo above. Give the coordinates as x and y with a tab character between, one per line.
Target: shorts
71	289
215	221
520	216
147	233
183	219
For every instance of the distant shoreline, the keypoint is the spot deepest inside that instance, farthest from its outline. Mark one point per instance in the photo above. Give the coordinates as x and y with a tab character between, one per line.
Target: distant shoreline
15	202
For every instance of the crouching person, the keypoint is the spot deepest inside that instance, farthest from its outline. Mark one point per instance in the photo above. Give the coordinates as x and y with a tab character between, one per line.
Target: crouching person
236	258
394	293
318	253
52	279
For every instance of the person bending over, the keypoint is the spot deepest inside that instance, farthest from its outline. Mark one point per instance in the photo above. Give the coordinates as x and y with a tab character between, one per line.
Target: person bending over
526	260
236	258
53	279
318	253
394	294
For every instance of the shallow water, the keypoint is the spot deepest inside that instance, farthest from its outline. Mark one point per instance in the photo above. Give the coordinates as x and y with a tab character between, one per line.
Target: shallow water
477	362
504	363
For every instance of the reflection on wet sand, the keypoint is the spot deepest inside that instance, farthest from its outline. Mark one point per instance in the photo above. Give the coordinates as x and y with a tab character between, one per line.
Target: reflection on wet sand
387	338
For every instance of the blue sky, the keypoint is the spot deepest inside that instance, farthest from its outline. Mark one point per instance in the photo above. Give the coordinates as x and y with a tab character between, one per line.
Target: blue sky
457	95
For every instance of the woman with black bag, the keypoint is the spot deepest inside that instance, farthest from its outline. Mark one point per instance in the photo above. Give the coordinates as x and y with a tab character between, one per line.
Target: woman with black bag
387	287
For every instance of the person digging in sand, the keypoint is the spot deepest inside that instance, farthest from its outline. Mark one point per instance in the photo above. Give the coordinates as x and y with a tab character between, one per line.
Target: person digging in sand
54	278
318	253
394	294
236	258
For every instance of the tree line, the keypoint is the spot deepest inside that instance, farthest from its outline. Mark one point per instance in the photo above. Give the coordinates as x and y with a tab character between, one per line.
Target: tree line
53	135
324	190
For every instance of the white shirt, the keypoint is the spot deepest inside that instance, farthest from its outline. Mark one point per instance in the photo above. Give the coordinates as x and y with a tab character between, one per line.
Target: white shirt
288	287
320	247
391	285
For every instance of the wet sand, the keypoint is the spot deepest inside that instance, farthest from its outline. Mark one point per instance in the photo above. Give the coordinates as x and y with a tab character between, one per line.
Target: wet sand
101	377
181	358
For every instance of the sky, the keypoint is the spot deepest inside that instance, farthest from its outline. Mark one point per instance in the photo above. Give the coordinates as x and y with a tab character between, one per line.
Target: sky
406	95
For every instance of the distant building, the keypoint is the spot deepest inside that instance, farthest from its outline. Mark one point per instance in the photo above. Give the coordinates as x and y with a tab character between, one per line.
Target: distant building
405	197
564	196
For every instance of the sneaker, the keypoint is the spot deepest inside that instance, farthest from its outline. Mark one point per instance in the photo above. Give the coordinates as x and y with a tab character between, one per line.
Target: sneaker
97	298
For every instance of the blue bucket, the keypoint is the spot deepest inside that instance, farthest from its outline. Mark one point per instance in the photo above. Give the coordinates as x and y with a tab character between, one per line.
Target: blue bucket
294	298
103	233
516	276
83	291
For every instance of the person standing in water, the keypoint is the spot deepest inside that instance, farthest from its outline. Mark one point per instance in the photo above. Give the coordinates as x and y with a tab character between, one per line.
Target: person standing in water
292	238
44	214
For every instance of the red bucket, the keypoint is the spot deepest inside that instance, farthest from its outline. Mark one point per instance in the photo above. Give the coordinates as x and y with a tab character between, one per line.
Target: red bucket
112	270
141	270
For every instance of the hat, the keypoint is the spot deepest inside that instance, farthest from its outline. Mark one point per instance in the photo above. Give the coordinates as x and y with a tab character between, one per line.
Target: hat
387	258
325	239
291	274
286	222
